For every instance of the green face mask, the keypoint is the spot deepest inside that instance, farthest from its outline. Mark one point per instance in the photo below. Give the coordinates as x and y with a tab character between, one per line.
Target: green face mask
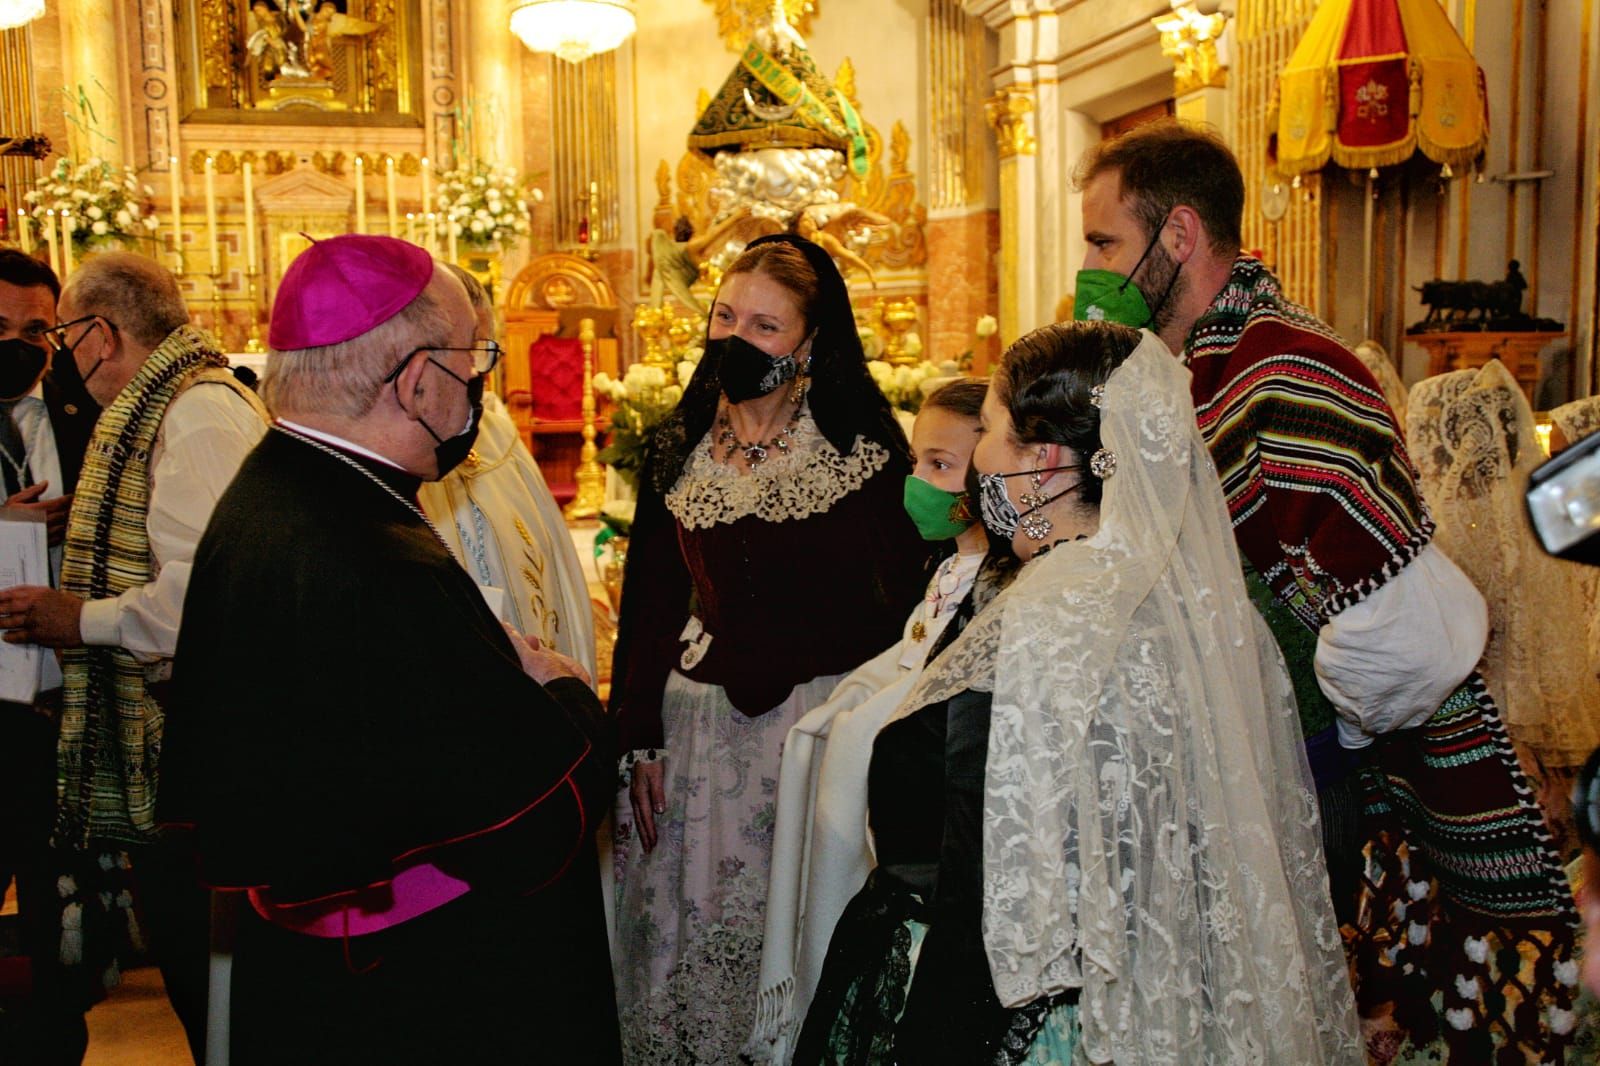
938	514
1106	296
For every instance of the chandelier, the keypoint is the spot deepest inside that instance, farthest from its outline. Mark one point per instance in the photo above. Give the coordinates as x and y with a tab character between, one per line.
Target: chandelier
573	29
15	13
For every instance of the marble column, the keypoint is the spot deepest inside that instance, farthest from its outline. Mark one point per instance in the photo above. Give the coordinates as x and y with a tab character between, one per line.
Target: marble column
91	36
494	73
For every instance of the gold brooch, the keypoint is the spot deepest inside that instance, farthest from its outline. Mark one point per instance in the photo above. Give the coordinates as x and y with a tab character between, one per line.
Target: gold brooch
918	631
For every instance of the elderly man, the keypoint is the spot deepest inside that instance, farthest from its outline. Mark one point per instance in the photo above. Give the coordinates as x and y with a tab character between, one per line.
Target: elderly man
1437	850
175	427
406	791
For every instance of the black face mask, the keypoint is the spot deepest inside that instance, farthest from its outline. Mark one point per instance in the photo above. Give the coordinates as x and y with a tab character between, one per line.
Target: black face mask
746	371
21	363
65	377
449	452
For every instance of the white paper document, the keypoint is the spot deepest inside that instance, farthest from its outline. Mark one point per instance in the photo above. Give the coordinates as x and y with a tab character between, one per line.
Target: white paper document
24	560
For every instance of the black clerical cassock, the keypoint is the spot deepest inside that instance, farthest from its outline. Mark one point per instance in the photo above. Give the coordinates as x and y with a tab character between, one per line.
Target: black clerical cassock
353	739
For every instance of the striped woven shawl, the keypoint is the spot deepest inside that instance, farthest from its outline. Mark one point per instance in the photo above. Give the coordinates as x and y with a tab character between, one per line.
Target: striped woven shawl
1322	494
110	726
1463	924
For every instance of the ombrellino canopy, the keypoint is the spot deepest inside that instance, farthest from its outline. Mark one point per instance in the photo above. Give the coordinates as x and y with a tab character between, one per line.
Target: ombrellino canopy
1374	81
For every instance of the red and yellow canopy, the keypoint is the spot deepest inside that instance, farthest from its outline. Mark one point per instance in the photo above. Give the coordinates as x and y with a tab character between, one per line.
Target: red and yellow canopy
1374	81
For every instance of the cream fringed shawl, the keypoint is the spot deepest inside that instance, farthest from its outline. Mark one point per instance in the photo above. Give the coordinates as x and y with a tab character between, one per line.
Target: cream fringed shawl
1151	836
1471	433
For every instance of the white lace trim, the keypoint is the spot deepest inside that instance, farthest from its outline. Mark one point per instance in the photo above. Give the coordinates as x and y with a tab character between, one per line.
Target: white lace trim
808	479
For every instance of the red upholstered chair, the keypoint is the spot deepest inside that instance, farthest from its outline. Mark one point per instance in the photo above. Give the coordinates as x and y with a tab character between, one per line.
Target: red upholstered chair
544	366
555	378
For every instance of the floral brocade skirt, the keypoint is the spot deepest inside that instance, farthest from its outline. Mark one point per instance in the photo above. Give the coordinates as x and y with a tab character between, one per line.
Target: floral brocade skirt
691	913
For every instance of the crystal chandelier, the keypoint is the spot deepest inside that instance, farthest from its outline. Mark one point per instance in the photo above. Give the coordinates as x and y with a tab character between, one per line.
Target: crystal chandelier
15	13
573	29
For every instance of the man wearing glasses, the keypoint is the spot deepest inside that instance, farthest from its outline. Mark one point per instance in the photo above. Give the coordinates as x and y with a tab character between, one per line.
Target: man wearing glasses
404	791
174	429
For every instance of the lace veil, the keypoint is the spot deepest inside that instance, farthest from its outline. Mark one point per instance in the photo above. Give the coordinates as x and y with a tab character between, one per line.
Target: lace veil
1151	834
1471	434
1375	359
1577	419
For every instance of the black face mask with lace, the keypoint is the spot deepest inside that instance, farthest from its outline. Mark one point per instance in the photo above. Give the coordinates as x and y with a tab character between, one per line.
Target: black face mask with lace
746	372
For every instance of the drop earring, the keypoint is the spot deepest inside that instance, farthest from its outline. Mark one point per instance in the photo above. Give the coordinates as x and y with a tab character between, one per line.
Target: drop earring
1034	525
1035	497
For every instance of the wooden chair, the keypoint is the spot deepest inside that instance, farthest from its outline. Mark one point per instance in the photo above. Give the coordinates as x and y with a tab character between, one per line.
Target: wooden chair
549	297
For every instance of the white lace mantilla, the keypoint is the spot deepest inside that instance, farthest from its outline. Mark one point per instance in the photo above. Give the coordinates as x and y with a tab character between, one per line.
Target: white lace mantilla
1150	830
808	479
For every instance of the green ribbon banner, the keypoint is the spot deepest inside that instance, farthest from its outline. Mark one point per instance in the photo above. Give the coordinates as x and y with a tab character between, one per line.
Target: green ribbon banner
782	83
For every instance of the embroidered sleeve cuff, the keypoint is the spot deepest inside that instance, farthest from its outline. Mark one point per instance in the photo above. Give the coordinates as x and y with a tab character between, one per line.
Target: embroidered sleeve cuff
633	758
99	624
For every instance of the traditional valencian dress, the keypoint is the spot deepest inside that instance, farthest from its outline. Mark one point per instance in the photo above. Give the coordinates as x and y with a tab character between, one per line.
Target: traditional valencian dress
1095	835
1458	922
820	852
748	596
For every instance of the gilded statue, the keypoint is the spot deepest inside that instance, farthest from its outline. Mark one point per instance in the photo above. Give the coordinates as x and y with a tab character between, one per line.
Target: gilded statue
295	41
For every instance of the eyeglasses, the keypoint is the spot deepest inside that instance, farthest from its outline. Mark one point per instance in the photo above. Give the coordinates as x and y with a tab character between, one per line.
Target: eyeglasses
57	335
485	357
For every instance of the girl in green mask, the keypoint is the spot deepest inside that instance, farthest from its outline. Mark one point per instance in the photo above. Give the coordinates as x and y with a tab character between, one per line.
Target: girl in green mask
820	854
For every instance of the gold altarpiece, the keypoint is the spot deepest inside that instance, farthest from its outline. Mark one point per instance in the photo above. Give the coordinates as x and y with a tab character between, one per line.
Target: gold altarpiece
300	62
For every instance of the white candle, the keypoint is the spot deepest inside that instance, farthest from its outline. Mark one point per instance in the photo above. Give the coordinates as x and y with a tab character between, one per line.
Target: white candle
211	216
450	228
433	233
361	195
50	239
175	193
250	263
411	226
427	186
25	231
394	207
66	244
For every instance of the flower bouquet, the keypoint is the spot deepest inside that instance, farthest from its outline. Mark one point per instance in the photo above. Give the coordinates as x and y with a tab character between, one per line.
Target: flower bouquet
485	206
905	387
107	204
641	399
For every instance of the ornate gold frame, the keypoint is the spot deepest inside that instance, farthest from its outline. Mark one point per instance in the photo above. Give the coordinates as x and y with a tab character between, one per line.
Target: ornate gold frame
213	69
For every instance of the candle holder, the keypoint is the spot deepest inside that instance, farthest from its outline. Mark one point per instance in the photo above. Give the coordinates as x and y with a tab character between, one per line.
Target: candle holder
217	303
253	345
590	475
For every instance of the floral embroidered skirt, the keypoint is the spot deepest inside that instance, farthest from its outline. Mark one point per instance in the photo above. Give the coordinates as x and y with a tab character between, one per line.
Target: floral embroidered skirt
690	914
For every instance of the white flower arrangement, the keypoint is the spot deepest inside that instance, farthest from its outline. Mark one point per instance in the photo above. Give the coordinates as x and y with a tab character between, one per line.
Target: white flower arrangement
485	206
641	398
108	203
905	387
